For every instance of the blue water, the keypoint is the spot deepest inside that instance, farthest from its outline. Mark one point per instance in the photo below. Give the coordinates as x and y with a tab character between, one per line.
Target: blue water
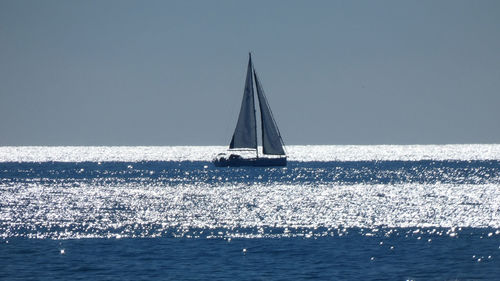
348	257
190	220
172	173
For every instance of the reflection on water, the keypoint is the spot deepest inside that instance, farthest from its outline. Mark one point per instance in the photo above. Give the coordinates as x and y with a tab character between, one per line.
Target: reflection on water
348	212
195	199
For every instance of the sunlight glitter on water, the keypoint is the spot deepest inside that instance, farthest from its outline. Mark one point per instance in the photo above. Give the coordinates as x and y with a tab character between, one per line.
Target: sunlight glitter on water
133	210
374	188
206	153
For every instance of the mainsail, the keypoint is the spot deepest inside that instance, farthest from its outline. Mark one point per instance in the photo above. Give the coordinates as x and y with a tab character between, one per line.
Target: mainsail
271	139
245	134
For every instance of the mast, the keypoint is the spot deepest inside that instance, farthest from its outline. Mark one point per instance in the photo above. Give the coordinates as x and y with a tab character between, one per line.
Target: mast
254	110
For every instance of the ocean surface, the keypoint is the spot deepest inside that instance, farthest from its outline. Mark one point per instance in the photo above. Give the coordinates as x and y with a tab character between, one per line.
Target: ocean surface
407	212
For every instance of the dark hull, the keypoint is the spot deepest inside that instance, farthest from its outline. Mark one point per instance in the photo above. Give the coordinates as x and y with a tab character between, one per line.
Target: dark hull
253	162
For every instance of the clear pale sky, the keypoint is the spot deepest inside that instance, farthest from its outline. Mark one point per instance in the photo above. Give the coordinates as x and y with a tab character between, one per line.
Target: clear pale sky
172	72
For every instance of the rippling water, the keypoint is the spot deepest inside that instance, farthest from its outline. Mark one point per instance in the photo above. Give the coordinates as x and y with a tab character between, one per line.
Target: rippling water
334	212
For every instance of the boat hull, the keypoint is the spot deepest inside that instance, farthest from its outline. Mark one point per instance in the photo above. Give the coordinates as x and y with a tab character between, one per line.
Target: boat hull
252	162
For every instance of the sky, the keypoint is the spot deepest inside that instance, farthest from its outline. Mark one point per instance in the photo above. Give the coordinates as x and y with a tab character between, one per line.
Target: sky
121	72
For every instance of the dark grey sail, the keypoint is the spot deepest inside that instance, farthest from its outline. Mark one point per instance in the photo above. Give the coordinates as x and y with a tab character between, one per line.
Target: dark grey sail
245	134
271	138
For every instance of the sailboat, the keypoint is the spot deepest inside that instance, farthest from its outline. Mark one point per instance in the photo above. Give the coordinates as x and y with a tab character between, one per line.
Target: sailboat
244	139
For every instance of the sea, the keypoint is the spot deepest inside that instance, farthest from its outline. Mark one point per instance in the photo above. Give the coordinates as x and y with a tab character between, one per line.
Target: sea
336	212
